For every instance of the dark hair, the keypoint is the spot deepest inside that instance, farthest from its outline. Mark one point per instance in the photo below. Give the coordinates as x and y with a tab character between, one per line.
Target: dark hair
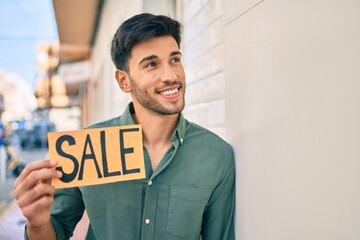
140	28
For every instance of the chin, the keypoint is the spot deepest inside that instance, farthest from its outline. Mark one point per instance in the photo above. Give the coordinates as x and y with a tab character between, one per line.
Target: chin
169	111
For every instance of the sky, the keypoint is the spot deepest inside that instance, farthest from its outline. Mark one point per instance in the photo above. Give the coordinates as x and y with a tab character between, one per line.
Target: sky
24	23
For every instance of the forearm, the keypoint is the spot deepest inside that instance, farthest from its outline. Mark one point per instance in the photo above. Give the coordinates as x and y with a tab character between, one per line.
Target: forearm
45	232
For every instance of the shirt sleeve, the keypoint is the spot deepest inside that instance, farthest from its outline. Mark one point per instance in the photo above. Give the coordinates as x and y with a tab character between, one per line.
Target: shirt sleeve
66	211
218	220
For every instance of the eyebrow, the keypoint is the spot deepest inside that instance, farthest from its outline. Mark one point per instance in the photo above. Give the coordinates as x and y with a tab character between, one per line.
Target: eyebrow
154	56
175	53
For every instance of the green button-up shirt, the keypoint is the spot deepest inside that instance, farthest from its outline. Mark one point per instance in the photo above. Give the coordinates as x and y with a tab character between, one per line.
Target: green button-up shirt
190	193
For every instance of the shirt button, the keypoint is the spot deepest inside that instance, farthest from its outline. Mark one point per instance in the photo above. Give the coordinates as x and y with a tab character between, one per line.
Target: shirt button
149	182
147	221
181	140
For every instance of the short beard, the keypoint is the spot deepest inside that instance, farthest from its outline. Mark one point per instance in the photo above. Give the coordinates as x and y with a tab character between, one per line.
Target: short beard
147	102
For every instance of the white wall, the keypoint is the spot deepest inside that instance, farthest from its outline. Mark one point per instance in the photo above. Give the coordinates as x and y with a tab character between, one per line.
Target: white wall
293	116
203	51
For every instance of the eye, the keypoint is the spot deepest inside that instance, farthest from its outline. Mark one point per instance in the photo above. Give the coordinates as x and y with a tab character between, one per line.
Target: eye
150	65
175	60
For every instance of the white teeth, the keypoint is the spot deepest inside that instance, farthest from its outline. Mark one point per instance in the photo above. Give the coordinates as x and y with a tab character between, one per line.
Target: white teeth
169	92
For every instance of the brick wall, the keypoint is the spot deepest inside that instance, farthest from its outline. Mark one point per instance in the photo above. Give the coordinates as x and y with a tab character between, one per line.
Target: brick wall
203	50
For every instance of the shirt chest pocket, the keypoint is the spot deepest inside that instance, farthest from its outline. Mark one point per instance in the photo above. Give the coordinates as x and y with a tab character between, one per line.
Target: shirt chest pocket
185	211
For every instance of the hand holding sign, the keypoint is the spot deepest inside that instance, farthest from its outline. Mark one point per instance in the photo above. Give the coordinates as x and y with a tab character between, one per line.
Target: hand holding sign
98	155
34	193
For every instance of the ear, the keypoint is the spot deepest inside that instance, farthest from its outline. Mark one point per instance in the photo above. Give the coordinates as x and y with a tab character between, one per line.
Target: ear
122	79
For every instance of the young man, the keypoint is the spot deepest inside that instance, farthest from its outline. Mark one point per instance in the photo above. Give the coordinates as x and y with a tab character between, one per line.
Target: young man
189	187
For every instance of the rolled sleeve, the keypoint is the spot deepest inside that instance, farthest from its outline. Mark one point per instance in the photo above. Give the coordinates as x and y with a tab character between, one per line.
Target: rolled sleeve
66	211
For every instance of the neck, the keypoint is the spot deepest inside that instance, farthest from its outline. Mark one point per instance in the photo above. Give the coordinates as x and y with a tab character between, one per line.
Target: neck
157	128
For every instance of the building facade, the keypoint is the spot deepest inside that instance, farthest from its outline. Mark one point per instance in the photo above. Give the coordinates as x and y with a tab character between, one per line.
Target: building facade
279	80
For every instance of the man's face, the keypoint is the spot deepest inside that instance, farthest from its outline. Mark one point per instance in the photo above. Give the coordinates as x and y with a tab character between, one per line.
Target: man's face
157	76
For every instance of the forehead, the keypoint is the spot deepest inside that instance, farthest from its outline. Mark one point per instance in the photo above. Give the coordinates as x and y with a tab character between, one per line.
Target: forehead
159	46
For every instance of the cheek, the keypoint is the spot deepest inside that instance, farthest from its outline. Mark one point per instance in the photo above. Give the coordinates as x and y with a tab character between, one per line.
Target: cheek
146	85
180	73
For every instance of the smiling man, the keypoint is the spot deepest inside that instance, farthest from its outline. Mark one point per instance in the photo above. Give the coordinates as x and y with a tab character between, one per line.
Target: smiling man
189	188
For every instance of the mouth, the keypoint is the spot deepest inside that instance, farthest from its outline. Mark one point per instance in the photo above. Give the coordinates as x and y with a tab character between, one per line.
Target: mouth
169	92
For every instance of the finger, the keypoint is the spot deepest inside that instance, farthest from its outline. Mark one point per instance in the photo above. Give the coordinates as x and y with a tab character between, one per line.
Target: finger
38	176
37	208
39	191
33	179
32	167
49	181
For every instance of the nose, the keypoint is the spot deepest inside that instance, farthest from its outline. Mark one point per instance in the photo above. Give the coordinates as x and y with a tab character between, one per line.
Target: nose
168	74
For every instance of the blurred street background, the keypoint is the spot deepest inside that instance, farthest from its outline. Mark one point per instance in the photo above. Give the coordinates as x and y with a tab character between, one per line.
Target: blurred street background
25	27
33	98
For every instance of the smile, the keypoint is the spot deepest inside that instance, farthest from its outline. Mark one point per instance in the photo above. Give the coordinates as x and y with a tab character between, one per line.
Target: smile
169	92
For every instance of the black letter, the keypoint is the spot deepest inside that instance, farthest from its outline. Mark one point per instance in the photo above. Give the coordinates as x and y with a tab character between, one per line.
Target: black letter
103	153
88	156
67	177
126	150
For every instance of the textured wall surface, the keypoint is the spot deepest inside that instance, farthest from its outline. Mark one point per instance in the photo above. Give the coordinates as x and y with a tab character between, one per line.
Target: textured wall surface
203	52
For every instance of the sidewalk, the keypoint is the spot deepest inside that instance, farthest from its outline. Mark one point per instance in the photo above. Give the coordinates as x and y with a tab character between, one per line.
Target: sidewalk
12	224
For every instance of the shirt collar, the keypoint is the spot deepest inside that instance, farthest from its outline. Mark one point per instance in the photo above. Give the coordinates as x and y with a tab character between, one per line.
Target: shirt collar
178	135
179	130
126	117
